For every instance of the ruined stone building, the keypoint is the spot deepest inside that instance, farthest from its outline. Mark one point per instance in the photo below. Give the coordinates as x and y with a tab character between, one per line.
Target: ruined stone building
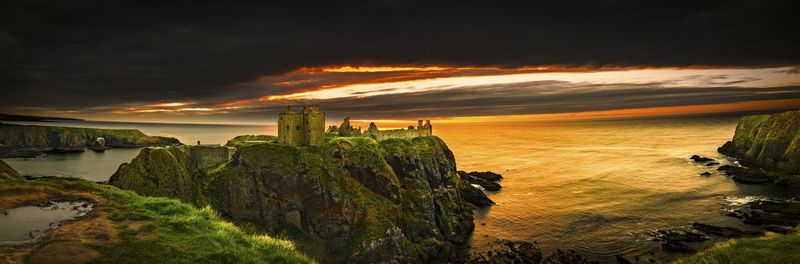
304	128
422	130
345	130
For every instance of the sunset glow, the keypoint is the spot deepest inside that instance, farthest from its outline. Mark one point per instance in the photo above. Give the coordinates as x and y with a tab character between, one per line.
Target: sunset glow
657	77
383	69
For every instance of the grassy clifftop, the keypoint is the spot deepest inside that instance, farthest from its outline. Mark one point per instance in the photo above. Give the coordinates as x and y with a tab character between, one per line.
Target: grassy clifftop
348	199
769	249
14	139
769	142
127	228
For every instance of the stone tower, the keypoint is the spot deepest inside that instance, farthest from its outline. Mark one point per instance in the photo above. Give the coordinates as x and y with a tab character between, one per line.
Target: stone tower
314	124
303	128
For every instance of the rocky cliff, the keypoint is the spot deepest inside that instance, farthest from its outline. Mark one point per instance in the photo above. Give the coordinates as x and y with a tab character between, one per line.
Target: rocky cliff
30	140
8	174
769	145
346	200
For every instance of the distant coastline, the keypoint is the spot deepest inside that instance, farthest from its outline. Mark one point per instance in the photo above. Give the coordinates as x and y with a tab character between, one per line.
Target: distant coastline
7	117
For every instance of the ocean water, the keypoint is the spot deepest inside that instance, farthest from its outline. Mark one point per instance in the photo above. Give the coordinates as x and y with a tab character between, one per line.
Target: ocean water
597	187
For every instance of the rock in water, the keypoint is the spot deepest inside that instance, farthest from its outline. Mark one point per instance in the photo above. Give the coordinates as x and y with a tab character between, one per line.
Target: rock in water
724	231
484	179
697	158
98	145
348	199
484	175
506	251
474	195
705	174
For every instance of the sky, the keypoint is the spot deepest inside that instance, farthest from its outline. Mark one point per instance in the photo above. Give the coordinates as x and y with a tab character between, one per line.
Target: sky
451	61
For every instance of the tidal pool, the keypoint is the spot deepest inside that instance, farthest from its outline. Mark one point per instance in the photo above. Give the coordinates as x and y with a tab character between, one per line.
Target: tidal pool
28	224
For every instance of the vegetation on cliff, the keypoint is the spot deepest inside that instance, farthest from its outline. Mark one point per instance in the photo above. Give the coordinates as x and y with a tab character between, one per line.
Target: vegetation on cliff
127	228
770	142
8	174
27	140
770	249
248	140
347	199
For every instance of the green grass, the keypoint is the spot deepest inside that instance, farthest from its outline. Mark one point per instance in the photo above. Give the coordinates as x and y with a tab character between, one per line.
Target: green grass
769	249
177	232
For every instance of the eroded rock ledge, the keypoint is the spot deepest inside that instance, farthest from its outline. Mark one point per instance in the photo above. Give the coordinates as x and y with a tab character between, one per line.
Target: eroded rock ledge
348	199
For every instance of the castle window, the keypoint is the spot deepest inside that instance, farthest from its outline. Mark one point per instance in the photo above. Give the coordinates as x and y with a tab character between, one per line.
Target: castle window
287	126
297	128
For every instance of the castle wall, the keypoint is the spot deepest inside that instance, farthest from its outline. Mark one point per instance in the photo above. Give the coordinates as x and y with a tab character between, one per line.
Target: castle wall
397	133
422	130
289	128
204	157
315	127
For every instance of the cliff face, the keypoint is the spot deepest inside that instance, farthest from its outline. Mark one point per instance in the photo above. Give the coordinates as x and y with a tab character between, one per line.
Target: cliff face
8	174
27	140
348	199
770	143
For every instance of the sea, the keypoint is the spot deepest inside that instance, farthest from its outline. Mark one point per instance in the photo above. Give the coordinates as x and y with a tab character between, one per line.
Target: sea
598	187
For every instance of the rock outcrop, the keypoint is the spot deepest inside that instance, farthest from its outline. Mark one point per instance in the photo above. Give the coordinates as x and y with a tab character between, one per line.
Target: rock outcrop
8	174
29	140
487	179
769	145
348	199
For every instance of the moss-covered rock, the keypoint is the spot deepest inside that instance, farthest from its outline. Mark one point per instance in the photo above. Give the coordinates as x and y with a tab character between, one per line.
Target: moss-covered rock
346	200
248	140
30	140
768	142
8	174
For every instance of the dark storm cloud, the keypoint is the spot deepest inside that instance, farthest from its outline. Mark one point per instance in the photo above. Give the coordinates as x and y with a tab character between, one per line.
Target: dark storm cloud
100	53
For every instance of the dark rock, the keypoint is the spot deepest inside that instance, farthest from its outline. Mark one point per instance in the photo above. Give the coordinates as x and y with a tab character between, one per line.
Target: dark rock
485	184
701	159
712	163
779	216
99	145
484	175
505	251
727	168
780	213
675	246
705	174
474	195
750	176
780	229
724	231
622	260
566	257
745	175
678	236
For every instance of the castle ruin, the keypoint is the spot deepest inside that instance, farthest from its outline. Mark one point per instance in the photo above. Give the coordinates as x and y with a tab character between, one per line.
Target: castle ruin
422	130
347	130
307	128
304	128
